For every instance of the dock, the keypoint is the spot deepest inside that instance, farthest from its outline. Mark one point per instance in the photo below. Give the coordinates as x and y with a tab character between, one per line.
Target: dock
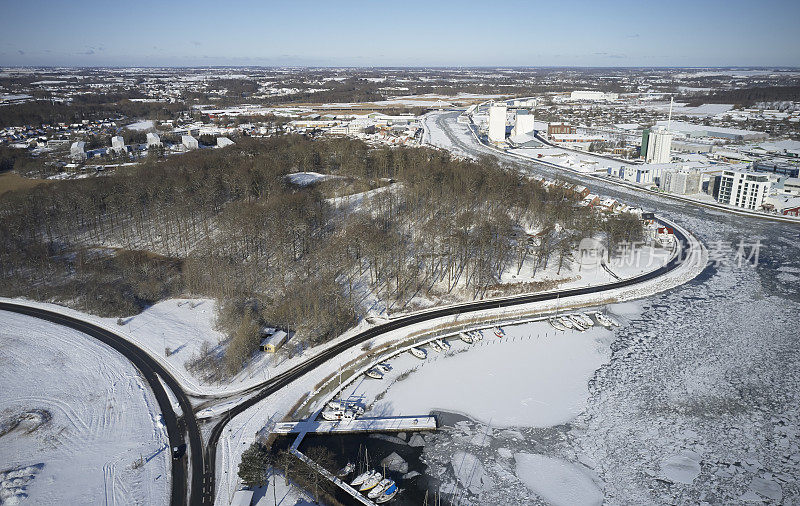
387	424
333	479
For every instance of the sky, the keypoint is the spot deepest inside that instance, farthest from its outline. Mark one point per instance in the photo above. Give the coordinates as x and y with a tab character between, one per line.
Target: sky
595	33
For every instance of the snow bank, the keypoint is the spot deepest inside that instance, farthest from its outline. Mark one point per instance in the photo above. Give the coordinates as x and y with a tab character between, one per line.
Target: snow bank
557	481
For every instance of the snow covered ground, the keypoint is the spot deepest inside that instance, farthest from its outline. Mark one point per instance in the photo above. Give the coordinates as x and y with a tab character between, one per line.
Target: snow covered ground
78	425
141	125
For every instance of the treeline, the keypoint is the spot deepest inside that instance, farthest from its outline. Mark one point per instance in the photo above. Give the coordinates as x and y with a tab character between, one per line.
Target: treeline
747	97
227	224
45	112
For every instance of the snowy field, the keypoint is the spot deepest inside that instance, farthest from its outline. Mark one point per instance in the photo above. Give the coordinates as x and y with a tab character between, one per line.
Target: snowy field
78	425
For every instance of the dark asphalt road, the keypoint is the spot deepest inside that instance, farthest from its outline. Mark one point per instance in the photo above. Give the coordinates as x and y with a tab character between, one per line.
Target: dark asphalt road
269	387
151	370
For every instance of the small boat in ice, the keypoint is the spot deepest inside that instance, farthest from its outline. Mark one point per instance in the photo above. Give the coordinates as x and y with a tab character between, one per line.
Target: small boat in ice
347	469
387	495
499	332
361	478
585	319
371	481
332	414
435	346
375	373
476	335
566	322
383	366
605	321
355	409
466	338
420	353
339	415
380	488
556	324
443	344
336	405
577	322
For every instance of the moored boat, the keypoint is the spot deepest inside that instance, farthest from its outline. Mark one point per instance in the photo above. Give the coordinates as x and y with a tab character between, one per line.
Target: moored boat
380	488
435	346
585	319
361	478
566	322
375	373
499	332
466	338
371	481
443	344
556	324
347	469
420	353
577	322
387	495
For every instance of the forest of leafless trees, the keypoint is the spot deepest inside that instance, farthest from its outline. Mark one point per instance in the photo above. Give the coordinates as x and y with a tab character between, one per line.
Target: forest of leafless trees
228	224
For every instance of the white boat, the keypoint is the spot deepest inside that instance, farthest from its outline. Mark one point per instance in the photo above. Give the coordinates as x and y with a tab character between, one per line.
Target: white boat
585	319
464	337
347	469
444	344
339	415
371	481
375	373
566	322
387	495
332	415
380	488
556	324
420	353
335	405
361	478
499	332
476	334
355	409
577	322
605	321
383	366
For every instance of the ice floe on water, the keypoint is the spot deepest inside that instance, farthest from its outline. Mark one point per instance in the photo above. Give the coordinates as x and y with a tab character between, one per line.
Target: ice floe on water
557	481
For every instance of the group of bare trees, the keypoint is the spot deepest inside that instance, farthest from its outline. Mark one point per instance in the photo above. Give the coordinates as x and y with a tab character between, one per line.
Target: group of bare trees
229	225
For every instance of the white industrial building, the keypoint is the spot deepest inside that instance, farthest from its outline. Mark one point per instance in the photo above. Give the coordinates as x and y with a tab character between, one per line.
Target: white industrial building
118	143
153	140
224	141
743	188
189	142
683	181
594	96
77	151
497	123
523	123
659	146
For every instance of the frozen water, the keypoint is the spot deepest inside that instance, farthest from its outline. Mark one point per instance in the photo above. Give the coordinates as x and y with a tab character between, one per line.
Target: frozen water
557	481
470	472
681	468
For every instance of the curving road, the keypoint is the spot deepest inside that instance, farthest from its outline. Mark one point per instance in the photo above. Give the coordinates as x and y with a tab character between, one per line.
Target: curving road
150	369
269	387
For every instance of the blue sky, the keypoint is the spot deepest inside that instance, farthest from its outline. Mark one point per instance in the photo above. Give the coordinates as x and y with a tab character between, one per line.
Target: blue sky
401	33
